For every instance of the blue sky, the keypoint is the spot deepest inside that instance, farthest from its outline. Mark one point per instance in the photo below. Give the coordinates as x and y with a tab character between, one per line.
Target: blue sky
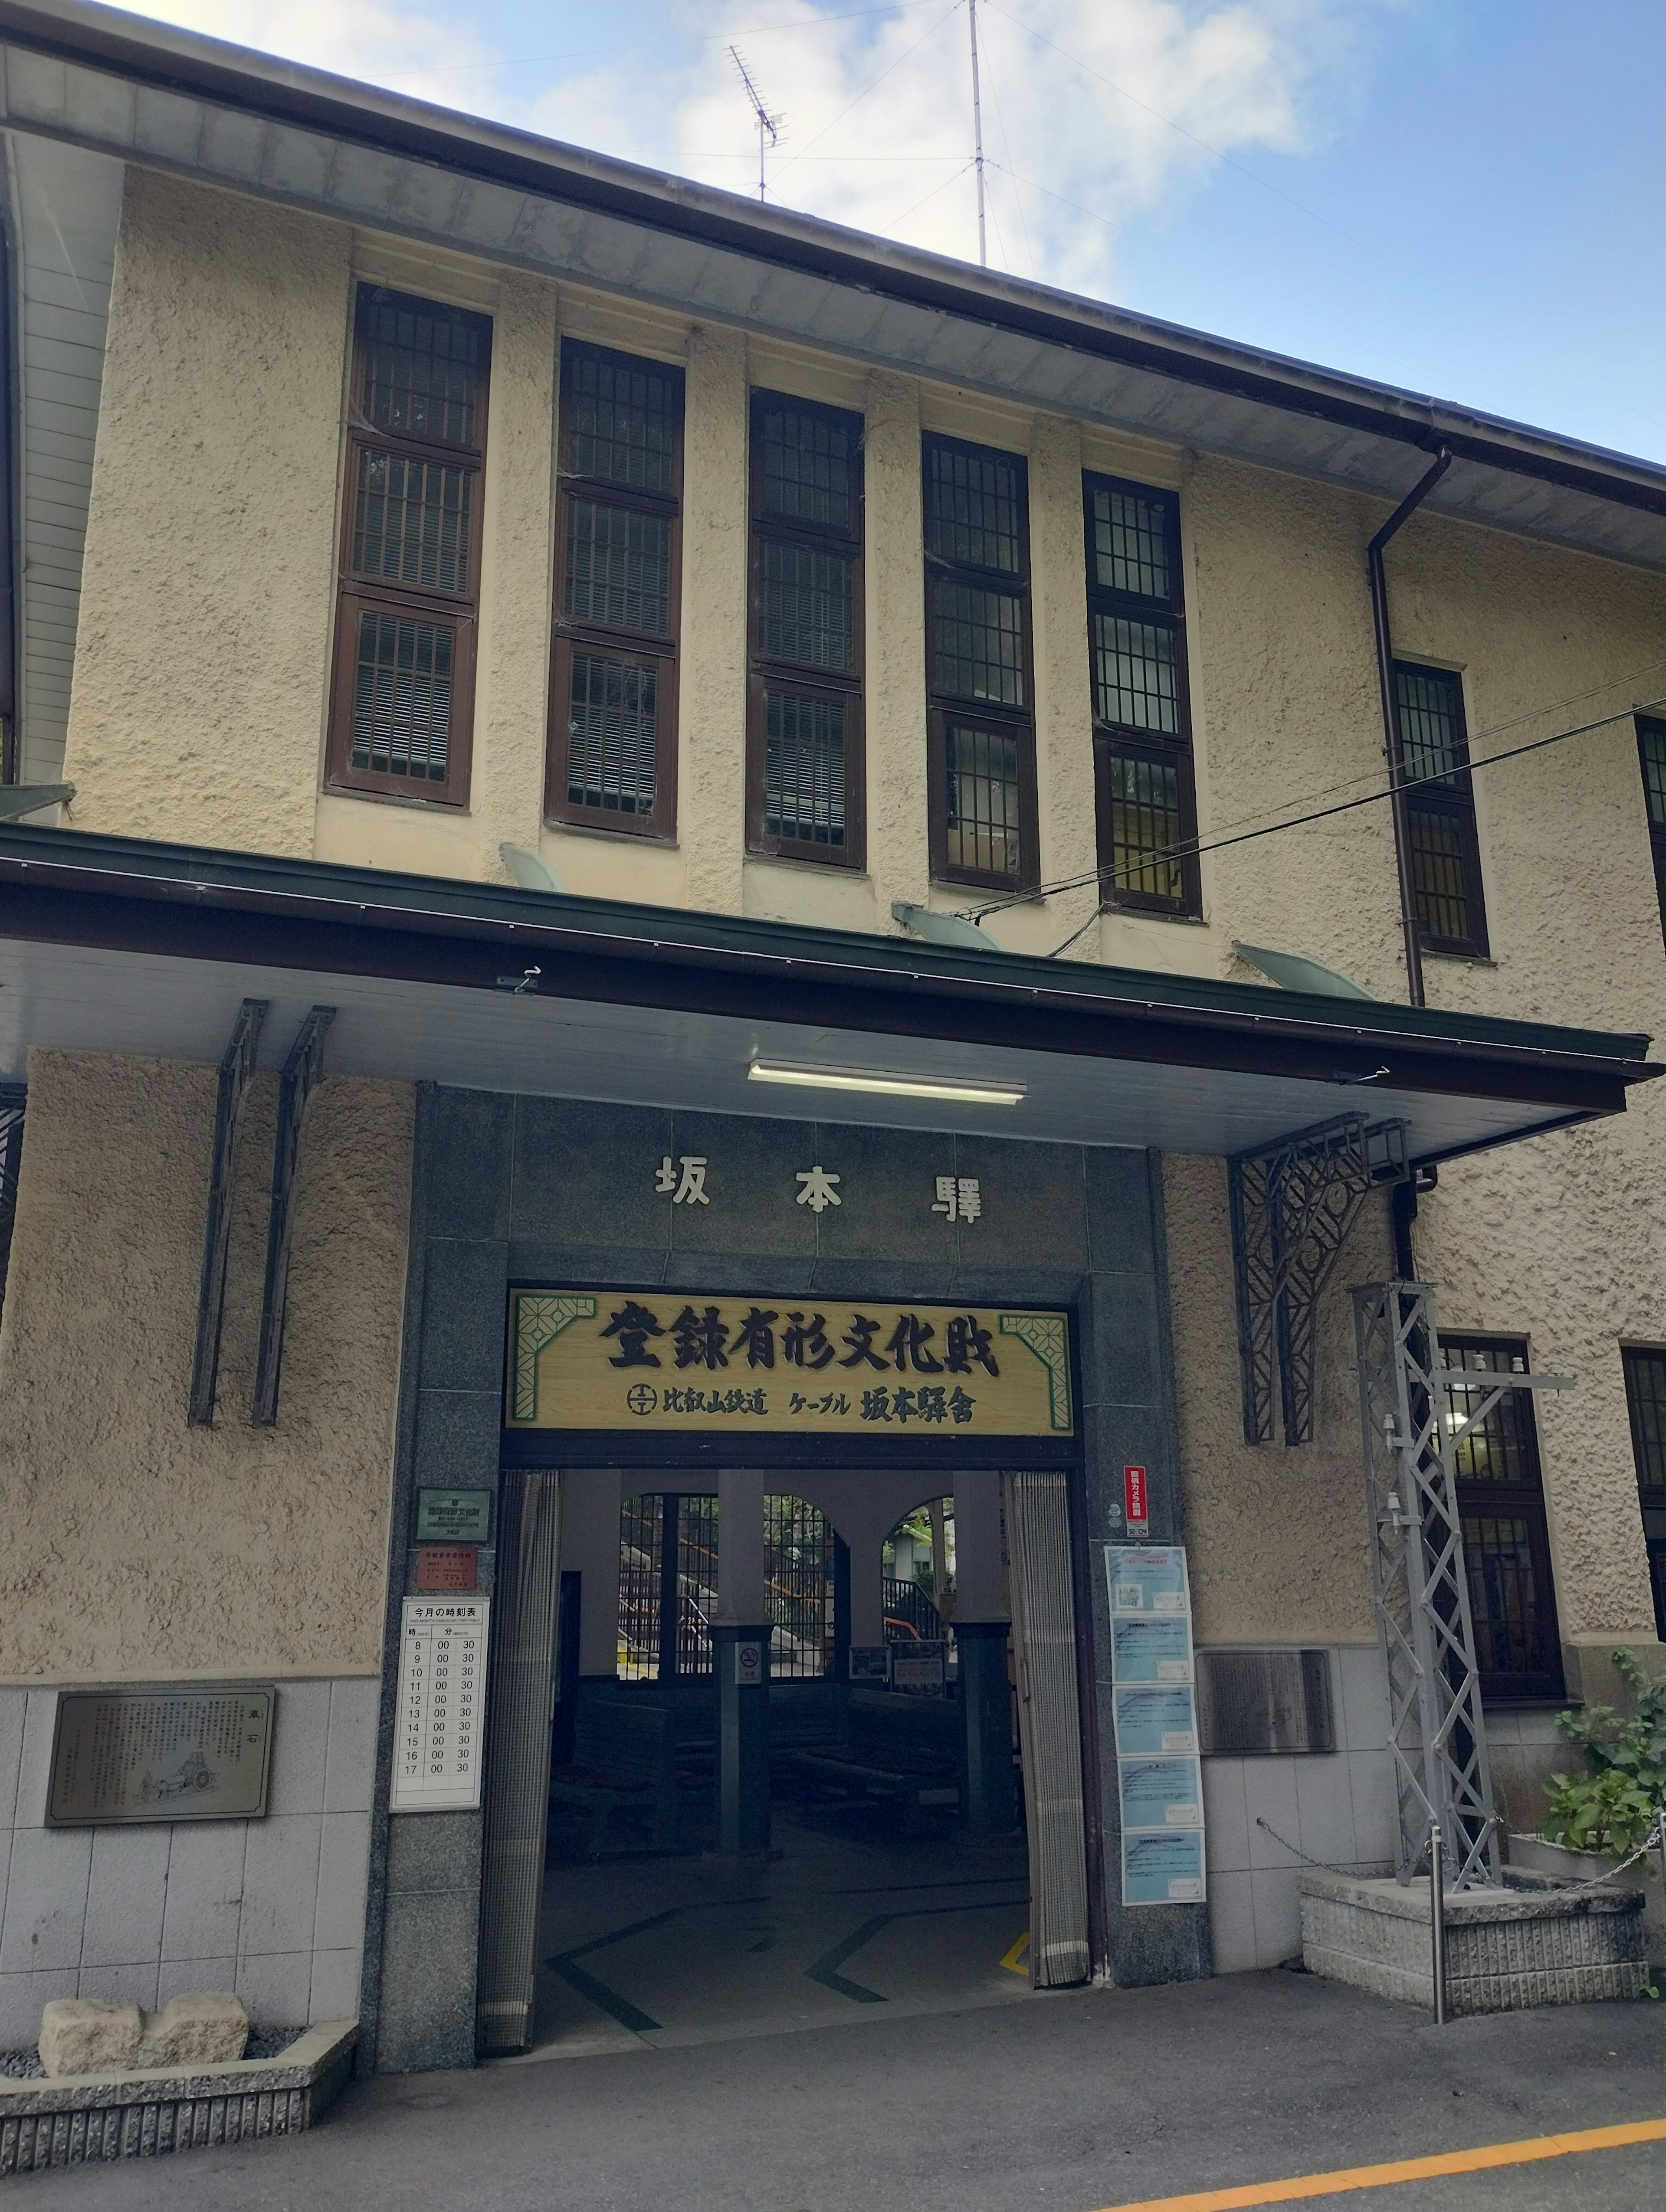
1464	196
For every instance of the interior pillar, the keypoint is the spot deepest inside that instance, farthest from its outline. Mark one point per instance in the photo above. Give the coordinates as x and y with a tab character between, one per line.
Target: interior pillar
741	1659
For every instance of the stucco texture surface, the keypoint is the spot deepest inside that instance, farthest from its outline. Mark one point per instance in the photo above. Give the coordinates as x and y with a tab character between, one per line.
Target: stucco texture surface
196	708
1275	1535
138	1547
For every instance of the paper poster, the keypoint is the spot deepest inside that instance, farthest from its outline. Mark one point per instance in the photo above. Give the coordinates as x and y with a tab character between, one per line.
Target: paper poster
1160	1793
1148	1578
1151	1648
1154	1716
1164	1867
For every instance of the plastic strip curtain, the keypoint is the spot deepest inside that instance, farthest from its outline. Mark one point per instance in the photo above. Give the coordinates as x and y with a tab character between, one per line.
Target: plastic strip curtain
517	1802
1050	1725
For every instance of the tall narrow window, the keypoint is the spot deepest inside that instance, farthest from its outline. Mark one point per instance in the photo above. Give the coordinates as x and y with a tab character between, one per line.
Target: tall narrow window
803	796
1440	815
1646	1399
979	682
1506	1543
618	543
403	701
1142	739
1651	753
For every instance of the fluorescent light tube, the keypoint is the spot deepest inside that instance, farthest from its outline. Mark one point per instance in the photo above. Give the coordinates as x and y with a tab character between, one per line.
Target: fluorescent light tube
965	1090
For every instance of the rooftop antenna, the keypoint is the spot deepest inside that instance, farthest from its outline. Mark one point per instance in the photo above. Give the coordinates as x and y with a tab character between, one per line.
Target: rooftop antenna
977	137
769	127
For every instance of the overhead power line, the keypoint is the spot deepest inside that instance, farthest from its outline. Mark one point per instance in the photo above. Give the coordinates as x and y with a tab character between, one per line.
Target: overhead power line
1191	847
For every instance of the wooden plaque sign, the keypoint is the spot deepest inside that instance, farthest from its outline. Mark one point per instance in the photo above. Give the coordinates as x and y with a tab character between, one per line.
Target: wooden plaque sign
678	1363
190	1753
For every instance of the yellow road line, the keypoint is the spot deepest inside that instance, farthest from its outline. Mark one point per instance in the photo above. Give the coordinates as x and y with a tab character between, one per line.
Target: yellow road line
1403	2169
1011	1960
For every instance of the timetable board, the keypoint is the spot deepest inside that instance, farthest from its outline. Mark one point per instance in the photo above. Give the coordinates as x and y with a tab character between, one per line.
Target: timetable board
441	1707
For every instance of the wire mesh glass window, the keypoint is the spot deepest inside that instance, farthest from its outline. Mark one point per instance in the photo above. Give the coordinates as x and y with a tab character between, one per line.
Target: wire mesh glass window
667	1585
1506	1541
1440	814
1141	715
402	701
1645	1401
1651	756
803	749
613	679
979	676
799	1588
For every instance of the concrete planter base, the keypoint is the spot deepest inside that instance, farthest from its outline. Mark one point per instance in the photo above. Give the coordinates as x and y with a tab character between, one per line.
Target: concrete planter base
79	2119
1507	1949
1536	1855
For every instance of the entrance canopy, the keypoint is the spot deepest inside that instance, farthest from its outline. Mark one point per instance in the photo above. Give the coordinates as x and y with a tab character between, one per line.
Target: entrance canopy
117	945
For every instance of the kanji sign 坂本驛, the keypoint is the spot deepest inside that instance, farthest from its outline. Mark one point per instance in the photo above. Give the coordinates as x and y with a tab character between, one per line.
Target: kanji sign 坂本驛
678	1362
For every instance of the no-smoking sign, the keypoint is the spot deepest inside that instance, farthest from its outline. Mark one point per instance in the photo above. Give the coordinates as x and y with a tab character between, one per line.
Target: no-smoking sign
749	1665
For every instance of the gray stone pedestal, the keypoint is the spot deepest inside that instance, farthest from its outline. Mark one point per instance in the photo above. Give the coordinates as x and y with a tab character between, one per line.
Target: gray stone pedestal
1505	1948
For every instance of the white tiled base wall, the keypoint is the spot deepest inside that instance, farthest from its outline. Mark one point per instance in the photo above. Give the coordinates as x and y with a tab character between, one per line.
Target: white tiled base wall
273	1908
1337	1806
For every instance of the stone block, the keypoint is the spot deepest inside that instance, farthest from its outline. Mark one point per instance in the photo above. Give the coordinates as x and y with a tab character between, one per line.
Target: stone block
198	2028
90	2035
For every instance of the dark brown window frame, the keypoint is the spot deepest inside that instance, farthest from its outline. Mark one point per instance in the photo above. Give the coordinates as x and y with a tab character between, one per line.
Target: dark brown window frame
1651	1495
1650	725
357	595
762	672
943	708
1112	739
634	648
1452	801
1520	1500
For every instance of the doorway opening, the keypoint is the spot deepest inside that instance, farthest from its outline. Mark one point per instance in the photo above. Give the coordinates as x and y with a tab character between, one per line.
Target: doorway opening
789	1770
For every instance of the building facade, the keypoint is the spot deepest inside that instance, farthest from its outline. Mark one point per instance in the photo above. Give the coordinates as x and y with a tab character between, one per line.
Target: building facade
574	650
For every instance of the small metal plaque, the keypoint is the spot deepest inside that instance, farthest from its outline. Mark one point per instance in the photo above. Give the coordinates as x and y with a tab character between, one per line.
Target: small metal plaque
446	1567
453	1516
190	1753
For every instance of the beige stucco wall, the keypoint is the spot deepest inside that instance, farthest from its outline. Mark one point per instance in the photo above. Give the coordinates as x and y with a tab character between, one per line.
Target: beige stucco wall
196	708
137	1548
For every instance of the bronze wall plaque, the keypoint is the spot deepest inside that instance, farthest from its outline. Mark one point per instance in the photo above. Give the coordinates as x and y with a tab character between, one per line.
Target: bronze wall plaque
194	1752
446	1567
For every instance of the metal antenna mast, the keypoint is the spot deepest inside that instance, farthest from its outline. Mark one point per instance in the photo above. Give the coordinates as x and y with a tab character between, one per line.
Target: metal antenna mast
769	127
977	137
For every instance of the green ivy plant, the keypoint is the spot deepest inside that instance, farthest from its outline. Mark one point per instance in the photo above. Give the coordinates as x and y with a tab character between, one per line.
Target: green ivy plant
1615	1804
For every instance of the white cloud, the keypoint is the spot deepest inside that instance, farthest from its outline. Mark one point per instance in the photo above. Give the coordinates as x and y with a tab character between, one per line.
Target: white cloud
1094	110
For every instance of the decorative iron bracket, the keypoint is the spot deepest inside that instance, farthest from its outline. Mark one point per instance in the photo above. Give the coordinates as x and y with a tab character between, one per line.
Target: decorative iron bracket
236	1073
302	1072
1292	1205
1411	1431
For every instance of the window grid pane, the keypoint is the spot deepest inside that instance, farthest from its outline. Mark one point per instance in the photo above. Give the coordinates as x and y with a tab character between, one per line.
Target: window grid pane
411	521
1652	747
1437	873
804	768
402	695
1645	1387
798	1588
1131	543
1145	827
977	644
1503	1447
1133	675
696	1582
1431	741
982	799
612	751
422	370
973	515
807	469
621	421
1504	1595
618	567
805	613
642	1536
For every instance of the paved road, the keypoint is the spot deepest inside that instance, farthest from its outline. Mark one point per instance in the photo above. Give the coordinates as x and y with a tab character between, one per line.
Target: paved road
1071	2104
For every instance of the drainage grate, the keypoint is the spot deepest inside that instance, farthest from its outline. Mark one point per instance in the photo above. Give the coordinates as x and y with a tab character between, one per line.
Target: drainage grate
1252	1704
